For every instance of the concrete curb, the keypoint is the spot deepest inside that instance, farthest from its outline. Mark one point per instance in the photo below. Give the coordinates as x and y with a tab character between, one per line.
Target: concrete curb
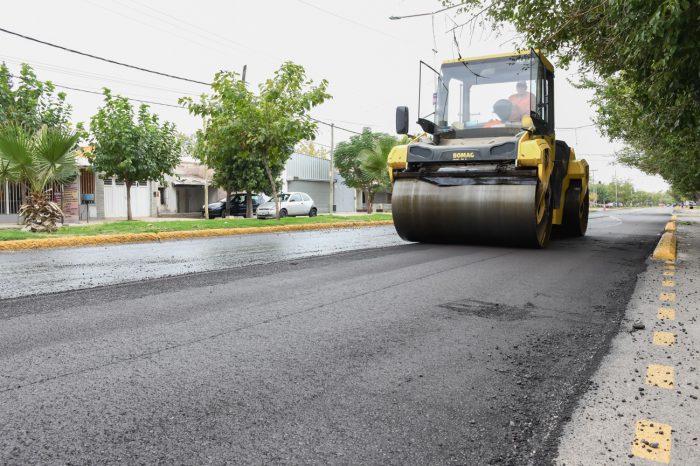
667	247
98	240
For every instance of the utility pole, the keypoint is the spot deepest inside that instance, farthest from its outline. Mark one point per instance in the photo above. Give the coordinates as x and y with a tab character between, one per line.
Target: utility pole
331	172
595	189
206	171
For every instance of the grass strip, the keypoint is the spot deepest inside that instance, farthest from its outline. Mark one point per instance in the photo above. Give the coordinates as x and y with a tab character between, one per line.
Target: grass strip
58	241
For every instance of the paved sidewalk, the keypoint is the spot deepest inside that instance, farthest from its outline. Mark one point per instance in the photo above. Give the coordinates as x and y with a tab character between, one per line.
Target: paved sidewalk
643	406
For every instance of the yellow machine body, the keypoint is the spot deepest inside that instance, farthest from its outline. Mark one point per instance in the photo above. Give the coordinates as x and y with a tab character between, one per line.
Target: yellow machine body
509	183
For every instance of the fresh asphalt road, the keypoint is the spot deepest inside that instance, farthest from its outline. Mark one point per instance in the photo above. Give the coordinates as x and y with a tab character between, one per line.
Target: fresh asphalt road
400	354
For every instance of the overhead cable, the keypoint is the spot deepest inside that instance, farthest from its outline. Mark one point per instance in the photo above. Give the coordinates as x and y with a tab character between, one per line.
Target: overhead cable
114	62
333	125
87	91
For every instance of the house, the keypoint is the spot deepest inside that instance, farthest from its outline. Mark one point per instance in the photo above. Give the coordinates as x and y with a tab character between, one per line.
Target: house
94	197
182	194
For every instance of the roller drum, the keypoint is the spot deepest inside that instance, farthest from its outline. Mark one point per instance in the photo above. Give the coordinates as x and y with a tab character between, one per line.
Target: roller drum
482	213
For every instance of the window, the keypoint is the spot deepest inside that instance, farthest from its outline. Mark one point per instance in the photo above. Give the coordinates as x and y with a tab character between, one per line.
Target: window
488	94
305	197
161	193
295	198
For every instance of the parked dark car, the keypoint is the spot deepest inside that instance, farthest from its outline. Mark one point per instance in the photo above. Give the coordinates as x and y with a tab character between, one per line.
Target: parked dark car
236	205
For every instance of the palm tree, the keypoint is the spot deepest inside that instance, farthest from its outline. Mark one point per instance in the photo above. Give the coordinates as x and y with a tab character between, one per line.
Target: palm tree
374	169
39	160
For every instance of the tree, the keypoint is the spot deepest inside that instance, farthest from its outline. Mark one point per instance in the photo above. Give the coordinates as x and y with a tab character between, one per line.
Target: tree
40	159
31	103
259	130
132	150
640	58
314	150
362	162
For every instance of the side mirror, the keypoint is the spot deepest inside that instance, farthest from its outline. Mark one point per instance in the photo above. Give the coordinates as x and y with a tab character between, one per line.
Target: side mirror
402	120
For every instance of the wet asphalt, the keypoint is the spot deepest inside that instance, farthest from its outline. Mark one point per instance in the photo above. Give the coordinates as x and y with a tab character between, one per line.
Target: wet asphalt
398	354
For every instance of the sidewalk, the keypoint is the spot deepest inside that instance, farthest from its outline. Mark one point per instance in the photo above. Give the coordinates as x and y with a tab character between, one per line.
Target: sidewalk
643	406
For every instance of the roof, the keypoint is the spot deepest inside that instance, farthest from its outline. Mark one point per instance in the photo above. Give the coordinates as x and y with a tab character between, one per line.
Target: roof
546	62
189	180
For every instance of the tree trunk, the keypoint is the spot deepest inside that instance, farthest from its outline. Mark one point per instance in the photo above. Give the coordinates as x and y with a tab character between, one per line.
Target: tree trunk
370	199
128	185
206	197
273	186
228	200
248	204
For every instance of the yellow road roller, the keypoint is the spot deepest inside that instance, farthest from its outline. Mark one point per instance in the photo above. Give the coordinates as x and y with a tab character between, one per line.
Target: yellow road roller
487	167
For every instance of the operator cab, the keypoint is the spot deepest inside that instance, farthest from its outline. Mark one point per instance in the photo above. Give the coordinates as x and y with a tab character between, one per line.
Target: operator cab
489	96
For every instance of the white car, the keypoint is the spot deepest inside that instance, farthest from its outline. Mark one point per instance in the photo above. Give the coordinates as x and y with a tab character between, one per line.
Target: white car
291	204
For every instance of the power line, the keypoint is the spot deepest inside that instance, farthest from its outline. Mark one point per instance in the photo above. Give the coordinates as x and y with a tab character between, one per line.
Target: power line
122	12
89	75
357	23
204	31
101	94
114	62
333	125
578	127
152	102
430	13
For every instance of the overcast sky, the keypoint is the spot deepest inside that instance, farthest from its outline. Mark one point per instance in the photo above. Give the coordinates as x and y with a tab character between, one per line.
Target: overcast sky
370	61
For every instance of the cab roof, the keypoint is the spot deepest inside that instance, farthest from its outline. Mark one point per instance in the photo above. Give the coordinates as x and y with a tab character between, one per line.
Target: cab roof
516	53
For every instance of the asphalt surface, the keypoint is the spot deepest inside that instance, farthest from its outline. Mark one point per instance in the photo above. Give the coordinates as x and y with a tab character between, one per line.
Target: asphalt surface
407	354
49	270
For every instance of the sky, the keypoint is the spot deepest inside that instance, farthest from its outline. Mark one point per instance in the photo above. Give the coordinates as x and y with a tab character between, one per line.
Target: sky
370	61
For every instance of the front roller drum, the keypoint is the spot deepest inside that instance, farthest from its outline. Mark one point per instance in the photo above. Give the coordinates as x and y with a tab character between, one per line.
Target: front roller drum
514	214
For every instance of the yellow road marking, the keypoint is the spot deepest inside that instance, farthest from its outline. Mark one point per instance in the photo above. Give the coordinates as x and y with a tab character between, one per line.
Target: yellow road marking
666	313
668	273
664	338
652	441
660	376
667	247
668	283
667	296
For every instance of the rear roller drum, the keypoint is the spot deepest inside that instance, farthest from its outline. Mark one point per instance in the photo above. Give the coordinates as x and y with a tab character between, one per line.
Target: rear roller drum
575	220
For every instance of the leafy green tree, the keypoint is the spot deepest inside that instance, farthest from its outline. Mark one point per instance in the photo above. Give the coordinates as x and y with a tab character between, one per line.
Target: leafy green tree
362	161
132	149
28	102
258	128
40	159
640	57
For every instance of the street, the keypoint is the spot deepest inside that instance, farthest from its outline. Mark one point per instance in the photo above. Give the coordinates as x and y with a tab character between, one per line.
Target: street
310	348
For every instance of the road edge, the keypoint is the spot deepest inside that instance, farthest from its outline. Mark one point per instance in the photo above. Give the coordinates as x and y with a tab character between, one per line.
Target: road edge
124	238
667	248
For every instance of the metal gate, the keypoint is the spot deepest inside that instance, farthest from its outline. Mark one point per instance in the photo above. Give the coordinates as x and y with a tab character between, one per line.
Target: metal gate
318	190
115	199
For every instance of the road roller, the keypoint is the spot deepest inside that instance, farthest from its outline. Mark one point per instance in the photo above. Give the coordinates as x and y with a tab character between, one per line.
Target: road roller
487	167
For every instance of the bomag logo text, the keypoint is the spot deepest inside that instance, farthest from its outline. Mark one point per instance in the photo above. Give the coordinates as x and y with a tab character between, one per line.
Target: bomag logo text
463	155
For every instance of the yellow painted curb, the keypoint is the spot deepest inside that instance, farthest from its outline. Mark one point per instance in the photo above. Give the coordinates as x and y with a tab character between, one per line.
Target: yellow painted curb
666	249
98	240
671	226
